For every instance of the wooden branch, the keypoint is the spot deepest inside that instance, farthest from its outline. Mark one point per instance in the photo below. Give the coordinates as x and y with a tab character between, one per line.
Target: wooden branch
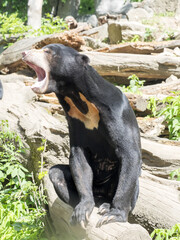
141	47
148	67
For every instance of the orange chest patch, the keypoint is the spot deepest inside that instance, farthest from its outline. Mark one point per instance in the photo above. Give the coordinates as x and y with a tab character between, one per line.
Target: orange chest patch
90	119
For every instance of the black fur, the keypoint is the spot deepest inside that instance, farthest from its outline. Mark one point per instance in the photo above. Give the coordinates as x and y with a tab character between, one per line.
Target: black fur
105	162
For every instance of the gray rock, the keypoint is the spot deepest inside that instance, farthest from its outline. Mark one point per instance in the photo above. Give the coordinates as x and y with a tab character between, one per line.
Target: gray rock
100	32
112	6
139	14
115	32
94	43
125	30
162	6
68	7
90	19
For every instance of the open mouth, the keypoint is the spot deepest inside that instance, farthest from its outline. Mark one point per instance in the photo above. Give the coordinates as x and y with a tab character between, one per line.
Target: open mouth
42	75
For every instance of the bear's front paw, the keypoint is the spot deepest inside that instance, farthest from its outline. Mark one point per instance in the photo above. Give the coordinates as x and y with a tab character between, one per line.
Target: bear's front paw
114	215
104	208
82	212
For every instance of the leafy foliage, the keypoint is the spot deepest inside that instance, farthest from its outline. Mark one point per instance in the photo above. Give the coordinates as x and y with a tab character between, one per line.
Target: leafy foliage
148	36
172	116
171	111
20	7
12	24
175	174
21	201
14	6
136	0
86	7
50	25
134	85
167	234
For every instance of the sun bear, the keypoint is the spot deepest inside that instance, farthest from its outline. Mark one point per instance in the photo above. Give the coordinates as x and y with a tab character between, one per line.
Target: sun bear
105	154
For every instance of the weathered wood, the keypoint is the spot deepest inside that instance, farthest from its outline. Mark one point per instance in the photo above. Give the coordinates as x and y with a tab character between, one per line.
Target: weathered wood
140	47
159	159
11	58
172	84
137	102
152	126
158	205
148	67
61	214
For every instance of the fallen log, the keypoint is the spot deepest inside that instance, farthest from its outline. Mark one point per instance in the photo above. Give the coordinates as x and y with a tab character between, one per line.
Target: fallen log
11	58
61	213
147	67
159	159
140	47
152	126
158	205
172	84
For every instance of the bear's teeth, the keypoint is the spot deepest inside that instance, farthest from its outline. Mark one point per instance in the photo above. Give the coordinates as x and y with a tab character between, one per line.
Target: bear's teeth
39	86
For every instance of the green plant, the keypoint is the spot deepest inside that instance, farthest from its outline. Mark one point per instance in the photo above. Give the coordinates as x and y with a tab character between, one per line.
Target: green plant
165	14
42	150
21	201
15	6
86	7
134	85
170	35
49	25
136	0
172	116
167	234
171	112
136	38
175	174
11	24
152	105
148	36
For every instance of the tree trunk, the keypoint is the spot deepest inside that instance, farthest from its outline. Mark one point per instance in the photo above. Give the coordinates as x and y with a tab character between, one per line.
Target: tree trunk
148	67
61	213
141	47
158	205
34	13
160	159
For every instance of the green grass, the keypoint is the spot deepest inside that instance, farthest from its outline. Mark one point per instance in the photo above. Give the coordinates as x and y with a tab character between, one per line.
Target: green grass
22	202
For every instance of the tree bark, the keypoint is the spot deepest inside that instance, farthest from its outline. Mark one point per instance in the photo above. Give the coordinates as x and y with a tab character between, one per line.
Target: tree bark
159	159
148	67
34	13
61	213
158	205
141	47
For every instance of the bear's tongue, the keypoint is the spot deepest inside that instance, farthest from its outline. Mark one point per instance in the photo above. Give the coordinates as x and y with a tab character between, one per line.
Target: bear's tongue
40	85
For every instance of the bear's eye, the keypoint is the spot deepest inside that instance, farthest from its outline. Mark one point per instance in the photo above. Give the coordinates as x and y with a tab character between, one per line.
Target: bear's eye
47	50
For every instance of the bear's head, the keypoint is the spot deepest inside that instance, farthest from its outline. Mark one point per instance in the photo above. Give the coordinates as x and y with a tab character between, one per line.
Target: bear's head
56	67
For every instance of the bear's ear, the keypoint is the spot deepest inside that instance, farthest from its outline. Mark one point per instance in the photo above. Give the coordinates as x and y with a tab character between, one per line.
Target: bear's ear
82	59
